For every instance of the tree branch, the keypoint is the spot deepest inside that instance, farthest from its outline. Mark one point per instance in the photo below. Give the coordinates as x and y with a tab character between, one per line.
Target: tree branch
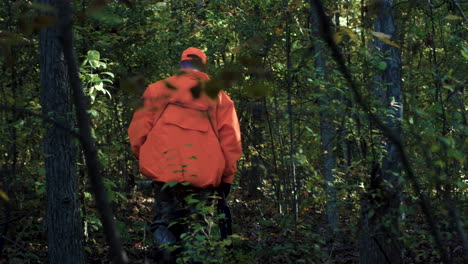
45	118
455	3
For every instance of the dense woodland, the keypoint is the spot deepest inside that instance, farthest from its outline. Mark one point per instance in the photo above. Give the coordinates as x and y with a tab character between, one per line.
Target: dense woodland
353	117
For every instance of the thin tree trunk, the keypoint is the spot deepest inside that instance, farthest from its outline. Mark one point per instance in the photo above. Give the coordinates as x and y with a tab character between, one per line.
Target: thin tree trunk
64	226
283	205
292	167
257	172
275	159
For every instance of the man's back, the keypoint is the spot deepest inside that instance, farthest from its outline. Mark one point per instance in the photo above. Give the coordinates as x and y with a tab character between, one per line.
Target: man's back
181	138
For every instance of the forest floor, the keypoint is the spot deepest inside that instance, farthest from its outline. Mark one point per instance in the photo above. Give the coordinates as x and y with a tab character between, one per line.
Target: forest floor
262	236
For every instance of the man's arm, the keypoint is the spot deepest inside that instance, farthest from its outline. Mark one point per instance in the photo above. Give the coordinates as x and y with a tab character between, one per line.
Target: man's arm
229	135
143	119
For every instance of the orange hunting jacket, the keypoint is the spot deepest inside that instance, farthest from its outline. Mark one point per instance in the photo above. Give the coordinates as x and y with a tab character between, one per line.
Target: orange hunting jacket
178	138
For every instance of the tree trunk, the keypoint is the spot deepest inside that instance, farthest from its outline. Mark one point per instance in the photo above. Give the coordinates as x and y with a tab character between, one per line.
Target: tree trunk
327	129
257	172
292	151
381	210
64	227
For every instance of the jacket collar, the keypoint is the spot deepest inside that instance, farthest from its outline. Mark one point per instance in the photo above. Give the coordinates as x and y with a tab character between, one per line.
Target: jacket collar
197	74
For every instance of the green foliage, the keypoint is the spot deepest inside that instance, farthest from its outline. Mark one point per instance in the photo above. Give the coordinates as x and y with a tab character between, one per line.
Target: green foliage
122	46
202	241
92	77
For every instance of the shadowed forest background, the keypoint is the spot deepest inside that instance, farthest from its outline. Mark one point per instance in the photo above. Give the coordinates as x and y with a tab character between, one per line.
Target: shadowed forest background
353	118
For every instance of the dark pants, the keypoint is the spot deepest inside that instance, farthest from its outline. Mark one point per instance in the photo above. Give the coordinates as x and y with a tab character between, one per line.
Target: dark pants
173	215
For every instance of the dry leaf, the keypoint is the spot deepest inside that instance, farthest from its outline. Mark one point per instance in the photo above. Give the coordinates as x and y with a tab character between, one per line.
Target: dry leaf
385	38
338	37
453	17
350	33
4	196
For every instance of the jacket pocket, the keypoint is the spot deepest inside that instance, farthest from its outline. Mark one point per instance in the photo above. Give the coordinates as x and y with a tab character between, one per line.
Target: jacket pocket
186	118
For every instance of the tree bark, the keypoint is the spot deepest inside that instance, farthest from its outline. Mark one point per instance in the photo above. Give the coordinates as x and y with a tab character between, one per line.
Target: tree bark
327	129
119	256
292	151
382	208
64	226
257	172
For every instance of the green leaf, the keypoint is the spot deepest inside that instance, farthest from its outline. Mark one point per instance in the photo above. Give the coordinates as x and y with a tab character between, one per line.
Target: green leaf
445	140
99	87
382	65
109	73
192	201
464	53
41	171
93	55
453	153
169	184
93	112
106	17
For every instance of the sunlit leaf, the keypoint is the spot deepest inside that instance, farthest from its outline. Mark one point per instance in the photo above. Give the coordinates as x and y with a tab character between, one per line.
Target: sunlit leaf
109	73
385	38
338	37
453	17
93	55
350	33
4	196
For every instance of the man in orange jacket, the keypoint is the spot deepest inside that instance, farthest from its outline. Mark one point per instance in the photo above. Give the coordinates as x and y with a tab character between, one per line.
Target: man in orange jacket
183	136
